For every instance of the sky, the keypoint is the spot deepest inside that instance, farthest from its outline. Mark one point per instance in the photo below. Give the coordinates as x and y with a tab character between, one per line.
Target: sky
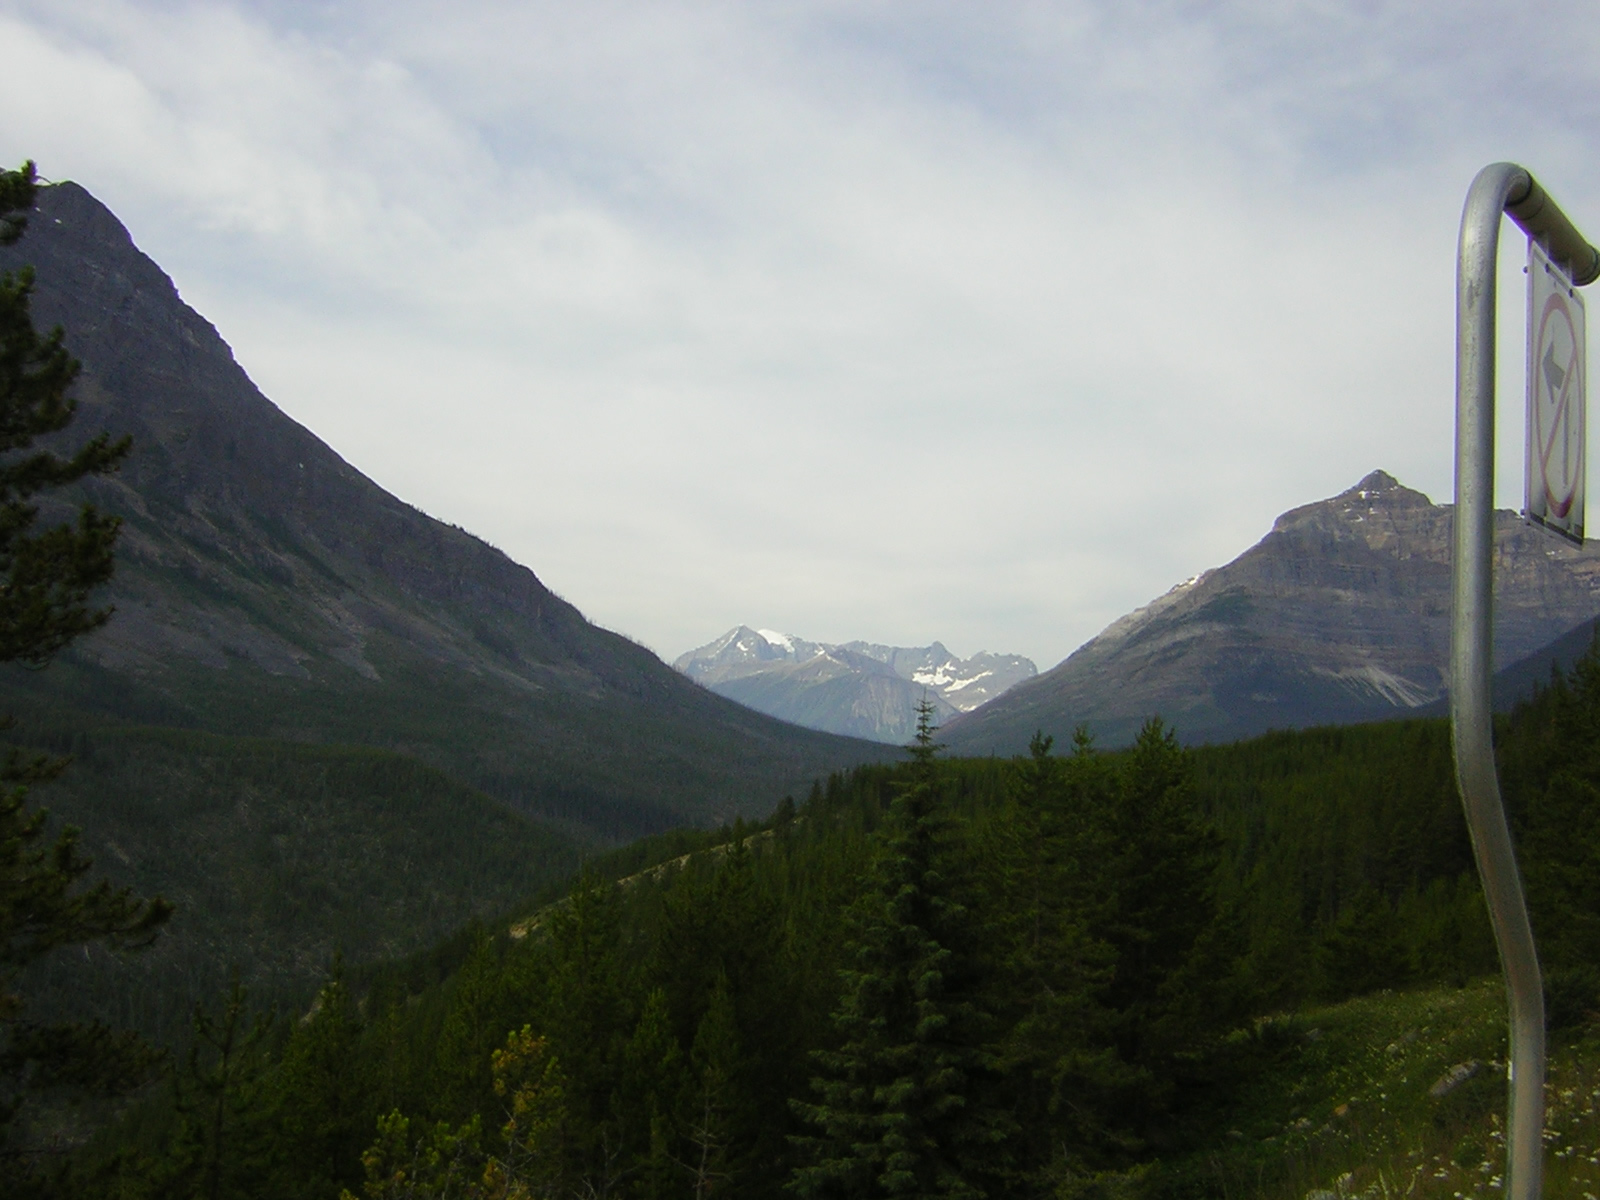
984	323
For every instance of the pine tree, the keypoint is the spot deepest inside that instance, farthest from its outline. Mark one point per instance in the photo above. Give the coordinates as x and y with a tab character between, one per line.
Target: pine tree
536	1164
324	1101
46	575
1170	984
585	1016
648	1100
902	1109
1037	865
433	1163
217	1150
716	1065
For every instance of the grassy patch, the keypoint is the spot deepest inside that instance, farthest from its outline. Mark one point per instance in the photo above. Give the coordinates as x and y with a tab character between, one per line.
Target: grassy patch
1399	1094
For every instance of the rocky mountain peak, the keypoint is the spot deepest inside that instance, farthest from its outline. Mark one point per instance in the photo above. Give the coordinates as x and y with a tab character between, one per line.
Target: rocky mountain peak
1380	511
1376	483
861	688
1379	489
1341	613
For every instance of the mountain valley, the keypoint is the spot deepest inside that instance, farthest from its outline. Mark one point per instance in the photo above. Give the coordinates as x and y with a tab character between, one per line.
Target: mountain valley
364	752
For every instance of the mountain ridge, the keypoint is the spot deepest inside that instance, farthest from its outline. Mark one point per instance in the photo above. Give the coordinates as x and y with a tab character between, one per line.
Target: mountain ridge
857	688
1340	613
265	586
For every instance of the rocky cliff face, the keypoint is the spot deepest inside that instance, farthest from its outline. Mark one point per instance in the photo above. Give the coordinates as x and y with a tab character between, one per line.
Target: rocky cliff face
229	496
266	586
861	689
1341	613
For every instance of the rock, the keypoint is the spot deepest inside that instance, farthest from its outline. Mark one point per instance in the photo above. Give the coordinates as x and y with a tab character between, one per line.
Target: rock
1455	1077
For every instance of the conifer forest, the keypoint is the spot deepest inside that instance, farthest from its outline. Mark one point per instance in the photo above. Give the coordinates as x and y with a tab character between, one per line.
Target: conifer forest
1051	976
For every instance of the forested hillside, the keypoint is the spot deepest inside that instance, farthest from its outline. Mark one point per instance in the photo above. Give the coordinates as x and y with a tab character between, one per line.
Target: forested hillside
266	588
278	857
1058	975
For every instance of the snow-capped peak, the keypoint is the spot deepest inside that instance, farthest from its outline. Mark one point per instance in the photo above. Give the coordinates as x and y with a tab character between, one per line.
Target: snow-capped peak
955	684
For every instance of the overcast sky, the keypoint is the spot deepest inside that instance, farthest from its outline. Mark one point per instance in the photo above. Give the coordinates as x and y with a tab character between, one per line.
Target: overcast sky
898	321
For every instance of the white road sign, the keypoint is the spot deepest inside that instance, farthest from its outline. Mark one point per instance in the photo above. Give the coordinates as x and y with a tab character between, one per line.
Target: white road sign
1557	399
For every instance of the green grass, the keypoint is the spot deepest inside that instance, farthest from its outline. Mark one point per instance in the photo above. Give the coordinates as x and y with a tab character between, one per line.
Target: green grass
1338	1100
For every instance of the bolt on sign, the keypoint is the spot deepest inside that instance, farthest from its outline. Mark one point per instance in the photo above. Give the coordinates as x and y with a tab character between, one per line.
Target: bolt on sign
1557	399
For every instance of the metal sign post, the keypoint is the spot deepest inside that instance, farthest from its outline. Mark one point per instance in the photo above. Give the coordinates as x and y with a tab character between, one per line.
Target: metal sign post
1509	189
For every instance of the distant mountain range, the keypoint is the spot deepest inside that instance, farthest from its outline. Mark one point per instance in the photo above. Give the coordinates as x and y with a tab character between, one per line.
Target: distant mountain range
856	688
1340	614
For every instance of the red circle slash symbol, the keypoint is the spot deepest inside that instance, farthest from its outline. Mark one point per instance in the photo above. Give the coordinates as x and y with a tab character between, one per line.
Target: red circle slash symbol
1560	413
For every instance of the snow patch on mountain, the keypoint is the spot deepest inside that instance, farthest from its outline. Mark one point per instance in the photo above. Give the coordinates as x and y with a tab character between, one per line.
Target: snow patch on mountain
862	688
1370	677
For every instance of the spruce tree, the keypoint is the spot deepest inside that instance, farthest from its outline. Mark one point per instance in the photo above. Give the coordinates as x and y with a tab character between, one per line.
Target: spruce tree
712	1122
46	575
474	1025
1038	866
324	1100
648	1100
722	931
216	1152
902	1108
1554	781
585	1015
1170	984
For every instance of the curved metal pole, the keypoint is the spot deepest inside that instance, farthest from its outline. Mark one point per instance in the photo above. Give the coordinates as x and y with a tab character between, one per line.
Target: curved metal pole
1471	659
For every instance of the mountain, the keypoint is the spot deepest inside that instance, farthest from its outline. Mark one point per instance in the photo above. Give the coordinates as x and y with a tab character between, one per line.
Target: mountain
1519	681
265	587
1341	613
279	857
857	688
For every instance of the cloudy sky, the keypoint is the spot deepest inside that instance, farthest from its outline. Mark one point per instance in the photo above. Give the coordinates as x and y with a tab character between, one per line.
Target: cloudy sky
898	321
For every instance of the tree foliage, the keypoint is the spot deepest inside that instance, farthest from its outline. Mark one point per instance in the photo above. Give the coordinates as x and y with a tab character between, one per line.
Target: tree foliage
46	575
901	1108
946	978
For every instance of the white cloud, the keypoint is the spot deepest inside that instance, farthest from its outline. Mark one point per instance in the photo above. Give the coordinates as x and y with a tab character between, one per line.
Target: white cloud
852	319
